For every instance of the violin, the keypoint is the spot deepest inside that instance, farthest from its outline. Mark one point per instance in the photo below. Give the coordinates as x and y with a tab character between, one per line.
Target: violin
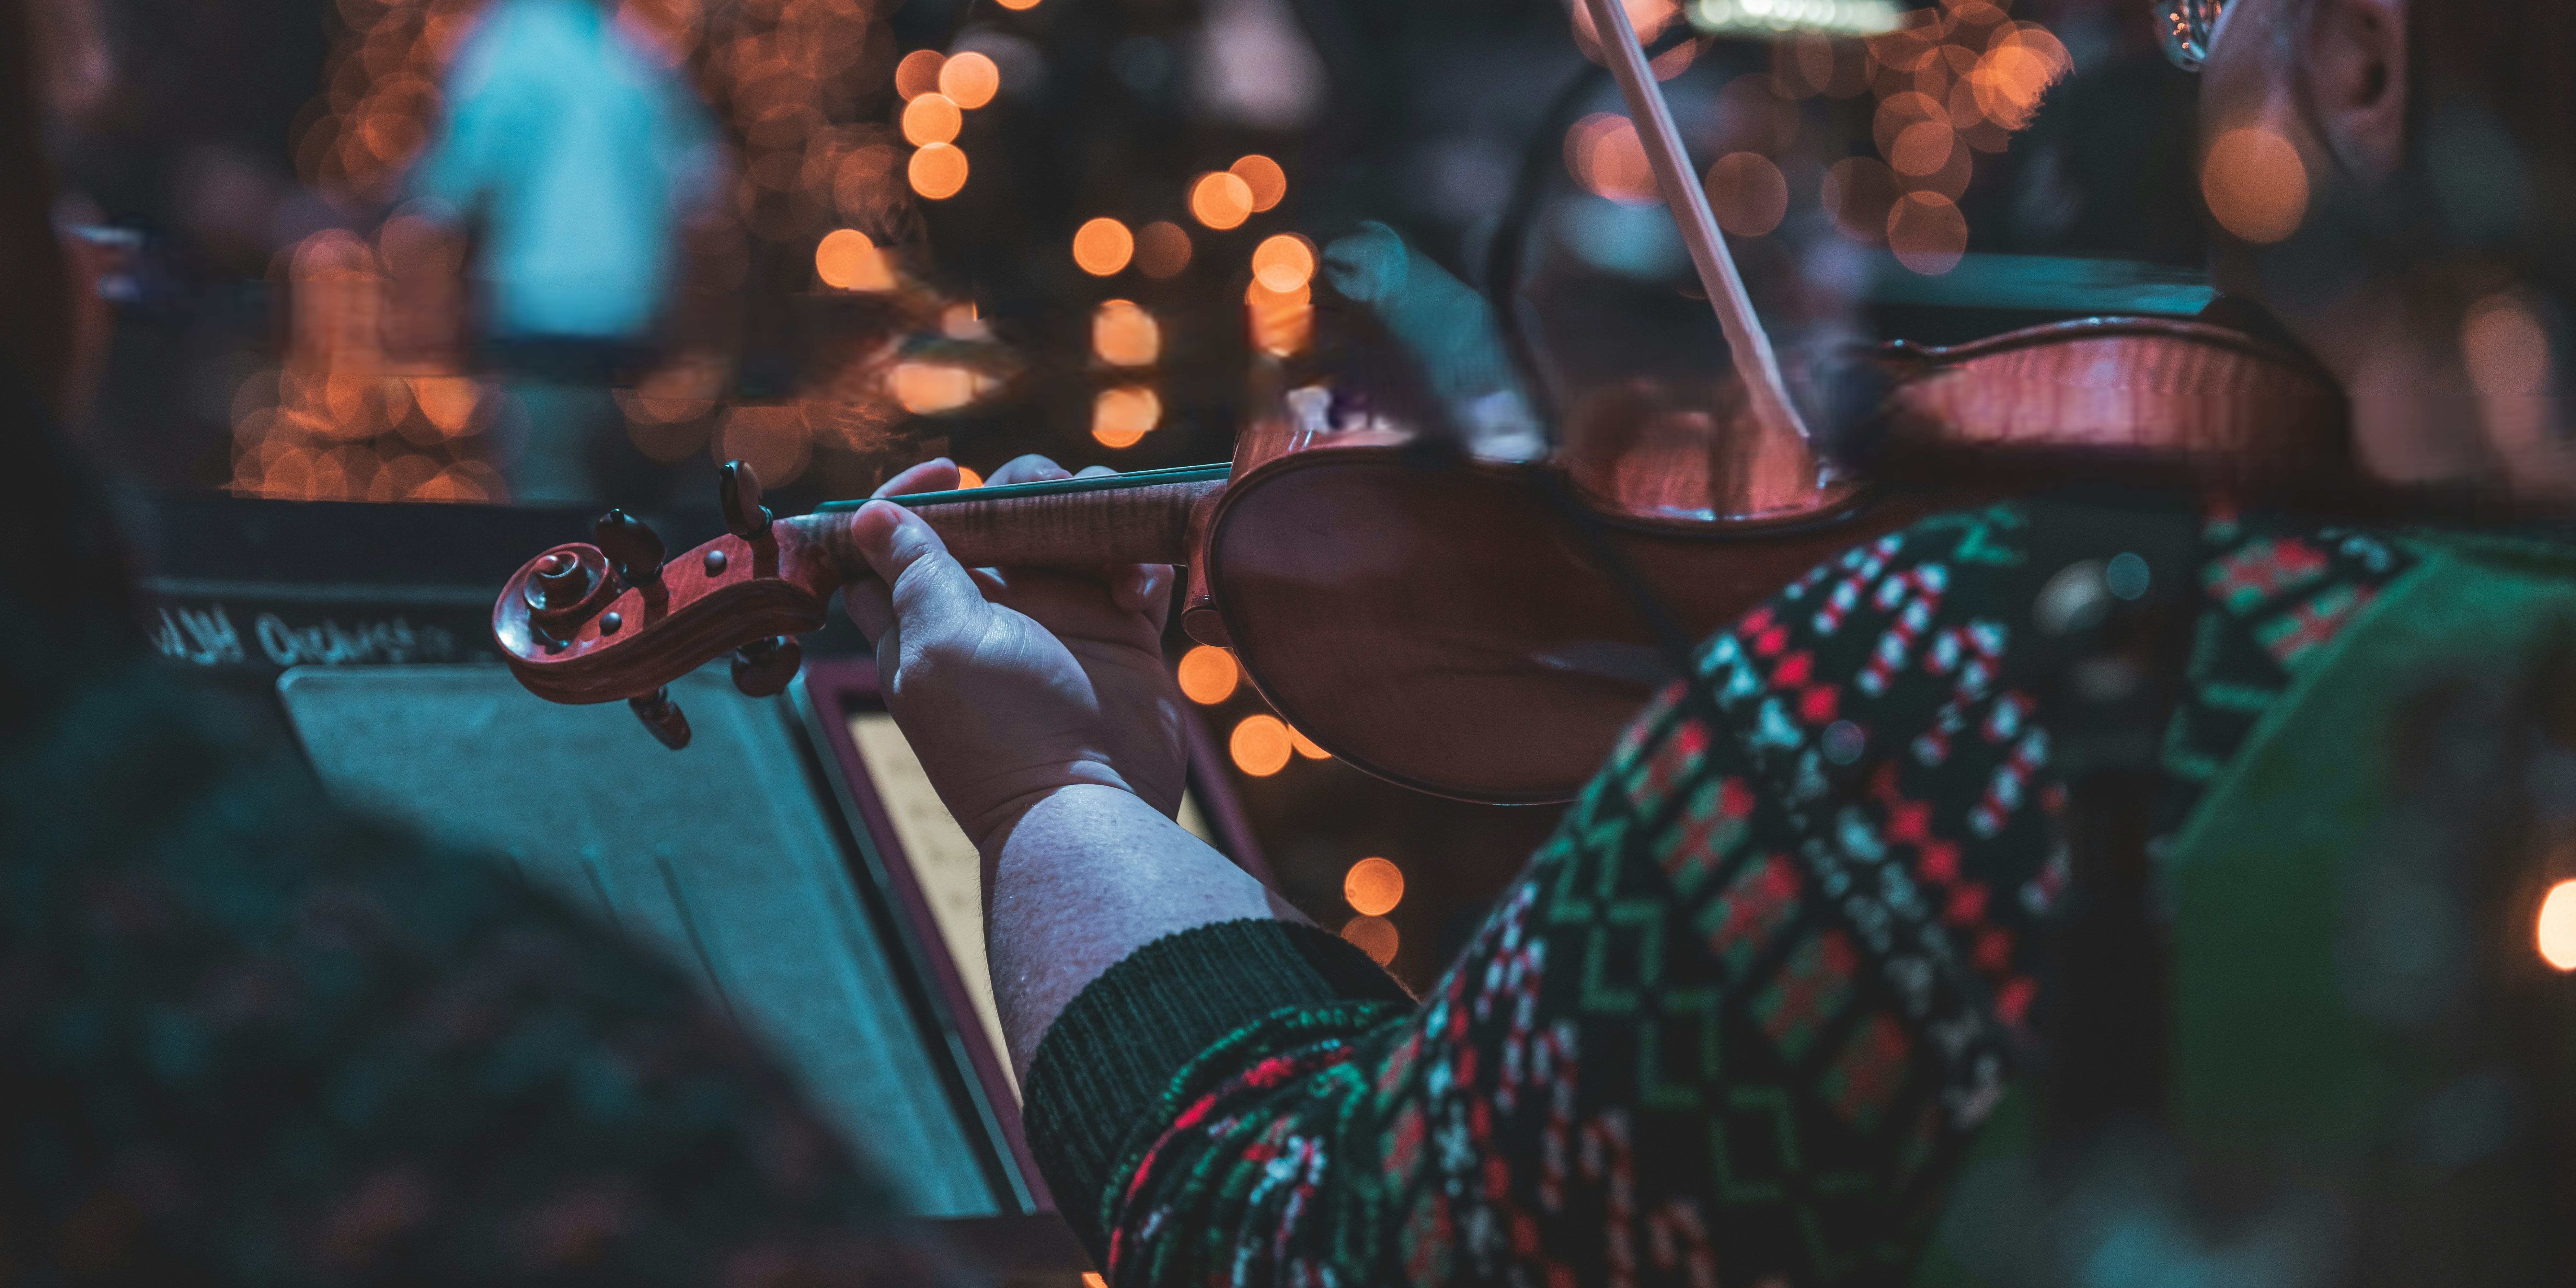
1437	627
1443	627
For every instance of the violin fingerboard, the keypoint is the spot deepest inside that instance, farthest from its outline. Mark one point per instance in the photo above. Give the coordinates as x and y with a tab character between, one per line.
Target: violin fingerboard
1149	524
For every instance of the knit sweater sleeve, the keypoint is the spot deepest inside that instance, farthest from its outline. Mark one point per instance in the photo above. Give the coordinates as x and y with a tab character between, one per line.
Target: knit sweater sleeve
1101	1075
1747	1008
1675	1034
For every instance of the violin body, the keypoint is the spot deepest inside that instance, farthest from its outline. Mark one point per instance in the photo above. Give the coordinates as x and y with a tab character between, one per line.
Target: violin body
2230	409
1444	627
1445	630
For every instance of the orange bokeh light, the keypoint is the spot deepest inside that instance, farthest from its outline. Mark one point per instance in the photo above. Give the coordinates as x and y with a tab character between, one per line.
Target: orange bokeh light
2256	185
1803	64
448	401
1162	249
967	478
961	321
1812	63
2506	348
1125	335
938	171
773	438
1604	154
970	80
2009	81
1269	183
2022	61
1968	117
1102	246
1260	745
1906	49
1283	322
449	485
1221	200
1373	887
1896	112
1028	4
1674	61
918	73
928	388
1122	417
1208	675
1747	193
2557	929
932	118
664	428
1375	936
1927	232
1923	148
1968	15
847	260
1647	18
1283	263
1307	747
860	177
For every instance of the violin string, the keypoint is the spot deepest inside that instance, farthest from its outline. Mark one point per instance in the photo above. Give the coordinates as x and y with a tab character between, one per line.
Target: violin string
1750	344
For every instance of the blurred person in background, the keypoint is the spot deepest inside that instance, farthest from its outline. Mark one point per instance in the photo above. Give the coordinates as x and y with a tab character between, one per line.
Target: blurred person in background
1777	1004
575	158
246	1037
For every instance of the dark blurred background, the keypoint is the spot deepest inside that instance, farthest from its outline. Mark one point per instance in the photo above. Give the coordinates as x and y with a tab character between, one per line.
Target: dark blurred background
580	252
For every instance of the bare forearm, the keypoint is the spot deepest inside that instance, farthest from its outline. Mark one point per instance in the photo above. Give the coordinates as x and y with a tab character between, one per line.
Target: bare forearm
1081	879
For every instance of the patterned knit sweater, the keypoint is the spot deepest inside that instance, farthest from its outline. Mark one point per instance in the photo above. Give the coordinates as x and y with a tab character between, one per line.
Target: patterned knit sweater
1736	1023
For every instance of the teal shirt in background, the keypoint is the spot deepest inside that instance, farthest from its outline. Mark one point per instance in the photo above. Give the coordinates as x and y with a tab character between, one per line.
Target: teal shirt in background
580	156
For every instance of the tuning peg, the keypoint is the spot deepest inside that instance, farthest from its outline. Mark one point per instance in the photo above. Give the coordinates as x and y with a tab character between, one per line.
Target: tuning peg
632	547
763	668
738	489
663	716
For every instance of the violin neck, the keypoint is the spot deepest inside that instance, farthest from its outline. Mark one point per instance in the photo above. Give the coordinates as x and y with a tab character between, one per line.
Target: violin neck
1078	522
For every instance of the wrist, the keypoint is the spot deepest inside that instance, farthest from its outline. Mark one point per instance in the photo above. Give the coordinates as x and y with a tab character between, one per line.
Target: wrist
993	828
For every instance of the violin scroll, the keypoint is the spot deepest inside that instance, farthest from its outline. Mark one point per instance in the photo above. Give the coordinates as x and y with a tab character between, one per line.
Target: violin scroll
576	629
564	586
587	623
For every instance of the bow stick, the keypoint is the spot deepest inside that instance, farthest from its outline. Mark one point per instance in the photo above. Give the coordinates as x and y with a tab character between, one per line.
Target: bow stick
1750	344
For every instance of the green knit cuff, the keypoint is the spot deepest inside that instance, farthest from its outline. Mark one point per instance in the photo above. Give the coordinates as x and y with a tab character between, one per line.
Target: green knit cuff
1102	1069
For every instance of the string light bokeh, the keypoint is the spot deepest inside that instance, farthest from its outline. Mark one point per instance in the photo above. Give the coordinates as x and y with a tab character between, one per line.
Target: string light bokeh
810	158
2556	933
791	80
1030	227
1956	85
